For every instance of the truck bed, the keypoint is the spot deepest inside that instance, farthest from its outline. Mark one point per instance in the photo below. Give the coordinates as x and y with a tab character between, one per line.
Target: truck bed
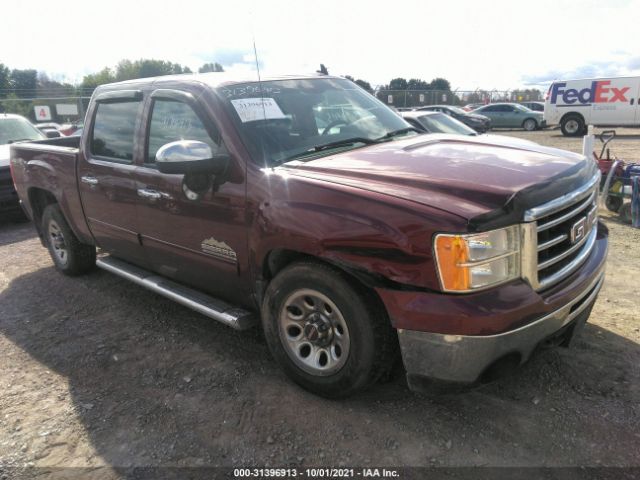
50	166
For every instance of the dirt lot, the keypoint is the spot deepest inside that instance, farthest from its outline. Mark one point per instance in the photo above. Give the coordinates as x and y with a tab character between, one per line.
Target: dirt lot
97	372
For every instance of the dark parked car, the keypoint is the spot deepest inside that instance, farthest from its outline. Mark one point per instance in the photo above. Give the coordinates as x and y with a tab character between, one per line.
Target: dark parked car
535	106
479	123
13	128
307	206
437	122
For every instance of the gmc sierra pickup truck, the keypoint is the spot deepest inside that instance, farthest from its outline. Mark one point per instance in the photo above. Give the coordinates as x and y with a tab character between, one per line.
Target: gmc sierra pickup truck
306	205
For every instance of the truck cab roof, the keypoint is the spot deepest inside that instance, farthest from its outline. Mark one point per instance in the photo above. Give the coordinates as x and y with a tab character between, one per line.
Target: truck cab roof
210	79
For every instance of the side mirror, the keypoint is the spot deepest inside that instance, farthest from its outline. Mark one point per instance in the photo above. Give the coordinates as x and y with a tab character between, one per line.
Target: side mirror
51	133
190	156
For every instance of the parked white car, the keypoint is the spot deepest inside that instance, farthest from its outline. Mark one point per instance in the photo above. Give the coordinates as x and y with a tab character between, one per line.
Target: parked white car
602	102
13	128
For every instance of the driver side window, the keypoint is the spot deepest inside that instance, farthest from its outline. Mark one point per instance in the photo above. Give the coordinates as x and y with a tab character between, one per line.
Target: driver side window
172	121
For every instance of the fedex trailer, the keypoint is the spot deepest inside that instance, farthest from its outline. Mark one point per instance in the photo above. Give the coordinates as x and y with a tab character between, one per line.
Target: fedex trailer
602	102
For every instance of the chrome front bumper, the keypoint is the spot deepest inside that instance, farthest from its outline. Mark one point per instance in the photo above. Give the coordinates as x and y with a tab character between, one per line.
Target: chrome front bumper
462	359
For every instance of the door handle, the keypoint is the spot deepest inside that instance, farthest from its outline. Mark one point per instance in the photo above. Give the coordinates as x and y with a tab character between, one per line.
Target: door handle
89	179
150	194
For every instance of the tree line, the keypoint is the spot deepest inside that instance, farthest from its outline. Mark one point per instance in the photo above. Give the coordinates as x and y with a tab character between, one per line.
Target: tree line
29	83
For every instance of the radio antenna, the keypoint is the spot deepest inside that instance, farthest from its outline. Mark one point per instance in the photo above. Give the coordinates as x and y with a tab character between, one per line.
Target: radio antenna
255	54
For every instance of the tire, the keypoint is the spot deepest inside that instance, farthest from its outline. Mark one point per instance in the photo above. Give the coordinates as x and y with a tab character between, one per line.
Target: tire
530	125
613	203
572	126
625	213
69	255
311	312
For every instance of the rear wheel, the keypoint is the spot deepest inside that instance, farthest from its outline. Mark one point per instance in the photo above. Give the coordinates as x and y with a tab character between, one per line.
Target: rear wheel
625	212
572	126
529	124
330	335
613	203
69	255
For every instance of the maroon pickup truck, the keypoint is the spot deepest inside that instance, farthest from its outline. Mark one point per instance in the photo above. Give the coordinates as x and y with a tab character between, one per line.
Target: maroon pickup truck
306	205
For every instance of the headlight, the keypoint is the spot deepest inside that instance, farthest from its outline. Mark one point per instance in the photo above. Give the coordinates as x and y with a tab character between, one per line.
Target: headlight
480	260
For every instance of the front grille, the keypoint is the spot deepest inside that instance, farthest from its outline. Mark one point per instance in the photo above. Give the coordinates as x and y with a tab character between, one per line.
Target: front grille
566	230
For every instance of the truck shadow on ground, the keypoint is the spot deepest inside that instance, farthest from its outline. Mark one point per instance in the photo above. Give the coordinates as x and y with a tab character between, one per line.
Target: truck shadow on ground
155	384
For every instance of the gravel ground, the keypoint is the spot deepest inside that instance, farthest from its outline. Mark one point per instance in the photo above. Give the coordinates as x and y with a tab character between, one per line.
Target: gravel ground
97	372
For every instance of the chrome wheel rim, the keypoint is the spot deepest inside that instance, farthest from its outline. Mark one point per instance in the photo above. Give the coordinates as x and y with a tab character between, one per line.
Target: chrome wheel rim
313	332
571	126
529	125
56	239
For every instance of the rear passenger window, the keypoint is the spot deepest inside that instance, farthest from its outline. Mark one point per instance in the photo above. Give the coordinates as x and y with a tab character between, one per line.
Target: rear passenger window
172	121
113	130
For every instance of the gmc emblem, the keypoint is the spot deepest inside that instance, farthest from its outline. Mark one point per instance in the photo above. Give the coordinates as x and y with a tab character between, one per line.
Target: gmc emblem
582	227
579	230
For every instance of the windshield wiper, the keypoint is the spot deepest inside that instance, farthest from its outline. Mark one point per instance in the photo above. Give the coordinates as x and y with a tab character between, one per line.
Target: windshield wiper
342	143
18	140
325	146
350	141
393	133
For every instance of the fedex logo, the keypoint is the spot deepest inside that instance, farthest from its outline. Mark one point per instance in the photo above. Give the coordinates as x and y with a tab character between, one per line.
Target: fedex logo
600	91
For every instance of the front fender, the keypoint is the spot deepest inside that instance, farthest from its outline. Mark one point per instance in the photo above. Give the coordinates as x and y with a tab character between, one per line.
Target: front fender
375	237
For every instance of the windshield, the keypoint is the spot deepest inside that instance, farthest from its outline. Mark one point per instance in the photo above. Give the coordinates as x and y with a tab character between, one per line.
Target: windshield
521	107
283	119
441	123
14	129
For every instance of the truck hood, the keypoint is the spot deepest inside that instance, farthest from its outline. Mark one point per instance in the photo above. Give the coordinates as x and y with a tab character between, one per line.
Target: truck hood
490	177
4	155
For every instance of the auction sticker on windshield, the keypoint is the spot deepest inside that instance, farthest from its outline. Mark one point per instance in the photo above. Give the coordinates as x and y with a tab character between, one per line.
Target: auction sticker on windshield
252	109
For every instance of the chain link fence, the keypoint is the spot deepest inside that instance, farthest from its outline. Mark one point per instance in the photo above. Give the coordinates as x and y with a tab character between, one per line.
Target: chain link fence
51	106
417	98
47	109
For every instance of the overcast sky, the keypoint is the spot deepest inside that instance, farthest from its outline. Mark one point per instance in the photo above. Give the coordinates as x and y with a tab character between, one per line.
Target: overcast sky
492	44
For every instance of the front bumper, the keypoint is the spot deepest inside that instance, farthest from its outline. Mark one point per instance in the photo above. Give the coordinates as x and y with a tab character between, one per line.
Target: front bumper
464	358
457	338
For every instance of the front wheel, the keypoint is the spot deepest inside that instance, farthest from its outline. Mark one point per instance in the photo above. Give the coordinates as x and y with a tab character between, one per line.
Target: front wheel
329	334
69	255
530	125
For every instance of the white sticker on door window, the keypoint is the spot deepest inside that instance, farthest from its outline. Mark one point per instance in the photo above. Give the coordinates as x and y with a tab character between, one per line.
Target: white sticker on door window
252	109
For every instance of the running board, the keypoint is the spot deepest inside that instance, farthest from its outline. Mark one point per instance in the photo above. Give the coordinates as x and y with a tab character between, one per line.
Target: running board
200	302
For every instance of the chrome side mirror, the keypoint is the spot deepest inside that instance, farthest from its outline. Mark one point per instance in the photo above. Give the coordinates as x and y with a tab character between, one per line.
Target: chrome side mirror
190	156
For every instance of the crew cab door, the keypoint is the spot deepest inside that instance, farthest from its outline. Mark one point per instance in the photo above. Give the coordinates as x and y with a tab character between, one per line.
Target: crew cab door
197	236
105	172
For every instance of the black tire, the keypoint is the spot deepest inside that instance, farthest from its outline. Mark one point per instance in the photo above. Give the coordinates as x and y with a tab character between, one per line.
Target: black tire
530	124
613	203
625	213
573	125
373	343
78	257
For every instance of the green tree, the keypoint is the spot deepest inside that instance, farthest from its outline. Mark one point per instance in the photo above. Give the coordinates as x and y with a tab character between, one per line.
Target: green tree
417	84
211	67
4	80
361	83
441	84
398	84
144	68
24	82
94	80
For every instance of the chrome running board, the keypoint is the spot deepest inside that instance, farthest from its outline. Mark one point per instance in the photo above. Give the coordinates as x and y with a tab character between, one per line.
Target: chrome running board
211	307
